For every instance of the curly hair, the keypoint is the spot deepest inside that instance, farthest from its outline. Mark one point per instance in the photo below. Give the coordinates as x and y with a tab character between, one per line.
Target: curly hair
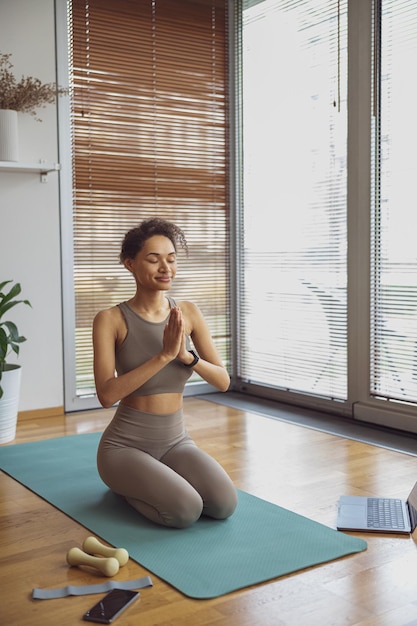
135	238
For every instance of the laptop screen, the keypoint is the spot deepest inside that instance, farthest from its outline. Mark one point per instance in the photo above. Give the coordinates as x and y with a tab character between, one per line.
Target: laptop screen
412	507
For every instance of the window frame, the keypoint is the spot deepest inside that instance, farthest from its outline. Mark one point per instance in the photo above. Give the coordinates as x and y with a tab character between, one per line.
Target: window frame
72	400
360	405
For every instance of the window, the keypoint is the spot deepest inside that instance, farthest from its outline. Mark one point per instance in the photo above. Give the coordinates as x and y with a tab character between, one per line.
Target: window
325	291
293	275
394	295
328	262
148	126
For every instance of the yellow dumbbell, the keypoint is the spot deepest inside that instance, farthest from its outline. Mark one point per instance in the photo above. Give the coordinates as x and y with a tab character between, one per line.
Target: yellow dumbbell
93	546
108	567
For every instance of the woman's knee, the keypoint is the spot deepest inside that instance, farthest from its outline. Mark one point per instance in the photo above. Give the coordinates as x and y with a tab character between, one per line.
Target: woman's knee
223	505
186	512
179	514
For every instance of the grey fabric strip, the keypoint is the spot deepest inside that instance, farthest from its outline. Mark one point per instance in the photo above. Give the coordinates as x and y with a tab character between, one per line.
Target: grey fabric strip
84	590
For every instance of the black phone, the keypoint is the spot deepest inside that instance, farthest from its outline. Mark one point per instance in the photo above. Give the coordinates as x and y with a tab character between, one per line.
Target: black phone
110	607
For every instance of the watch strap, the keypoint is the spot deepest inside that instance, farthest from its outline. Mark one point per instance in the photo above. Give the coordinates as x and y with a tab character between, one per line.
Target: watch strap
195	360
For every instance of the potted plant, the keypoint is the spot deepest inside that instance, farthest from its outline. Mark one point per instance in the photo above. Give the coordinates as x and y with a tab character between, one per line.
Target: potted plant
10	340
24	96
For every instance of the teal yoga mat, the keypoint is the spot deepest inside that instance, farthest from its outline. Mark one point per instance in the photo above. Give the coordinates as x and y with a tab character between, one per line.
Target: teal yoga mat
261	541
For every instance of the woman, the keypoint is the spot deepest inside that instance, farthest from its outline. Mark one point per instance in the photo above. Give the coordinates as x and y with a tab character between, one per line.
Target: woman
145	454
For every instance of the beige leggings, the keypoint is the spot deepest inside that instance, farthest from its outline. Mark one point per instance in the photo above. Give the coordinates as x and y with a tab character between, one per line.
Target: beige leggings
151	461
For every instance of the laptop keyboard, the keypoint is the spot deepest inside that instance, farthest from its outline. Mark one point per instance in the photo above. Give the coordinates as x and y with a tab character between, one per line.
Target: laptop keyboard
385	513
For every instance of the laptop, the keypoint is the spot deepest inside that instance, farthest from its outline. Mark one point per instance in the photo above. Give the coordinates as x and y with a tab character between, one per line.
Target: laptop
378	515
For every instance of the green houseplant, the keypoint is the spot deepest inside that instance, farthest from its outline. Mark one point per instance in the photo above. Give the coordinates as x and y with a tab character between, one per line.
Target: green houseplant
10	341
9	335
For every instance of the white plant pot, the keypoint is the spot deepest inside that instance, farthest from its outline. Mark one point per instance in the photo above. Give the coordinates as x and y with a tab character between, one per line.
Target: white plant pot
9	402
9	136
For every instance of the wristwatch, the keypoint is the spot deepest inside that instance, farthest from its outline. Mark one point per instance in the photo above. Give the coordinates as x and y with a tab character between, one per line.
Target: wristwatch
195	361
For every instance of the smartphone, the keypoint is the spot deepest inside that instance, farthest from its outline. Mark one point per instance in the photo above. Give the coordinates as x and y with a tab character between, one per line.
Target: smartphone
110	607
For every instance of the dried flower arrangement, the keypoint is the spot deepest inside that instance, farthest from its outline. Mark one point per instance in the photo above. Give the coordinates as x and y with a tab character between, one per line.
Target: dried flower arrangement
28	94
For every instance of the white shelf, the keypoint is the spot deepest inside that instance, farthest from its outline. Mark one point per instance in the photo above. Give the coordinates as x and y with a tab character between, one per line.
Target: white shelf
38	168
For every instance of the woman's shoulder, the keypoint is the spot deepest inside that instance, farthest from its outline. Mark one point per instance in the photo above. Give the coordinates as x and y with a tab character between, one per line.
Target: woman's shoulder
192	314
188	307
110	315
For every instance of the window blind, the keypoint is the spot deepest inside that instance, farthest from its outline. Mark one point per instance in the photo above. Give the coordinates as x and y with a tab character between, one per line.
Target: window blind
394	271
149	111
293	266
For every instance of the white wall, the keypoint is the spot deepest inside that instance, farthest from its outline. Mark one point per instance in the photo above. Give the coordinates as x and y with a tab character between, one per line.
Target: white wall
29	210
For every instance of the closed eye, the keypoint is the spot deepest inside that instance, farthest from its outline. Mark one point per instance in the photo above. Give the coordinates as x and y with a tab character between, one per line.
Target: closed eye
153	257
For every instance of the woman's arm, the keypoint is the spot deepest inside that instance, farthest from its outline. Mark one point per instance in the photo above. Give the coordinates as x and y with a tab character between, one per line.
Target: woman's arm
210	366
108	326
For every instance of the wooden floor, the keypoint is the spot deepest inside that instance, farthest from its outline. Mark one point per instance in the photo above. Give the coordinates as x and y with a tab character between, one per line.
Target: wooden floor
298	468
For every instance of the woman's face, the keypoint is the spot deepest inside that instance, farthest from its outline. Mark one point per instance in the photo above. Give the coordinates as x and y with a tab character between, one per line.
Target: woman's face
155	265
